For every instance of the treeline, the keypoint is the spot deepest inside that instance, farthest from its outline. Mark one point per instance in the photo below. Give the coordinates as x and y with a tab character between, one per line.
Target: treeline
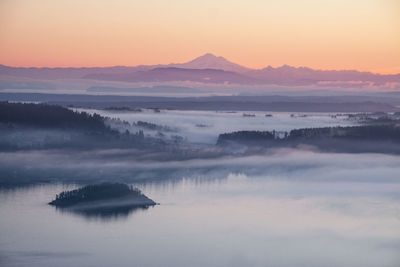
246	136
49	116
152	126
42	126
97	192
370	133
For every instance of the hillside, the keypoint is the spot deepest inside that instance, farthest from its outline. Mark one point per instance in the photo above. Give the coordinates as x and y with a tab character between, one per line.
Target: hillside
353	139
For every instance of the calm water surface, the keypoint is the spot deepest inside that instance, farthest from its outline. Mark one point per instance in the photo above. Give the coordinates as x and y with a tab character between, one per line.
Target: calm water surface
231	221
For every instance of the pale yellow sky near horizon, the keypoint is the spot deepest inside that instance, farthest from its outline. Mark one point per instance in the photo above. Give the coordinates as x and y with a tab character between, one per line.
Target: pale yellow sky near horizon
357	34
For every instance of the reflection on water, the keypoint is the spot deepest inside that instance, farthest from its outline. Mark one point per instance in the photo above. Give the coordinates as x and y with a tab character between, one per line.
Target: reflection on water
104	213
320	217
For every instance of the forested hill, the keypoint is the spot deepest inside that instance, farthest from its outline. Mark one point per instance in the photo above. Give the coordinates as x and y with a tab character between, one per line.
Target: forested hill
49	116
369	138
28	126
42	126
369	132
387	132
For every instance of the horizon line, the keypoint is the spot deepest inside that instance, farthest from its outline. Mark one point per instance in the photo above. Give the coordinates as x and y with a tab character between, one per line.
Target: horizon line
208	53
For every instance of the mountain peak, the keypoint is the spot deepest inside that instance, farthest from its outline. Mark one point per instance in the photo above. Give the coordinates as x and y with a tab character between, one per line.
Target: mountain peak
209	55
211	61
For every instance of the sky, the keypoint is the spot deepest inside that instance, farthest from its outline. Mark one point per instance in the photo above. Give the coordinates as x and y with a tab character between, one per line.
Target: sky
339	34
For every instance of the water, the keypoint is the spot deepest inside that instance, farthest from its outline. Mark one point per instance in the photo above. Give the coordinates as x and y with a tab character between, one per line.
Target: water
284	208
335	210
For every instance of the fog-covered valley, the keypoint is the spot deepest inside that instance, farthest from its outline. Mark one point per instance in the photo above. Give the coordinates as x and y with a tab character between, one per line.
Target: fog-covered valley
205	126
86	145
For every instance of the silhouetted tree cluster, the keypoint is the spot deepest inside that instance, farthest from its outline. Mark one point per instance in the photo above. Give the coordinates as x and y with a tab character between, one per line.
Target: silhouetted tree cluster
363	133
152	126
246	136
369	132
104	191
49	116
42	126
149	125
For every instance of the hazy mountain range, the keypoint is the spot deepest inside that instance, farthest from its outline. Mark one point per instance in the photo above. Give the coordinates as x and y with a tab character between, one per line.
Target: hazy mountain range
210	69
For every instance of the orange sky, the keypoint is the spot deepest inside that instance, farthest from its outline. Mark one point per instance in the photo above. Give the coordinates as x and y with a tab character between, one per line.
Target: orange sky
337	34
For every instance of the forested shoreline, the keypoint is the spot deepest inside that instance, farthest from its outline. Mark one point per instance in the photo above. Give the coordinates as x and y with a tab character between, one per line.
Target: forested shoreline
383	138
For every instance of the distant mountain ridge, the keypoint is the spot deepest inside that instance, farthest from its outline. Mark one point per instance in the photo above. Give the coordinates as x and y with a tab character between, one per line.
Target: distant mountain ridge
209	68
170	74
210	61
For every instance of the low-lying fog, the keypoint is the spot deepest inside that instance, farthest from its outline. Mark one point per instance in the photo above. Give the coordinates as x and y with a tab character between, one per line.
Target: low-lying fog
205	126
285	208
120	165
177	88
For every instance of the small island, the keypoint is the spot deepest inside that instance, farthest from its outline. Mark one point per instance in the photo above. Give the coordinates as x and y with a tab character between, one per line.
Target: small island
102	197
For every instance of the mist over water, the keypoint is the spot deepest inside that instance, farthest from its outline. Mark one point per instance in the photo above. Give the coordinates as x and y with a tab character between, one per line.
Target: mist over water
204	126
279	207
289	208
199	133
